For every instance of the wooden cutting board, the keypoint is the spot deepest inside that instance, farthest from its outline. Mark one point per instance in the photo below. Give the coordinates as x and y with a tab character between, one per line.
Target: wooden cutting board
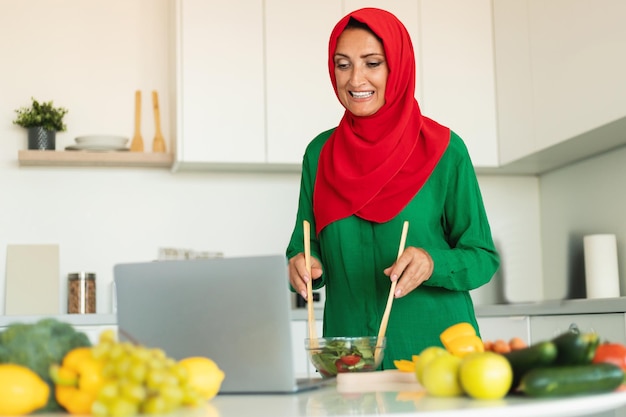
387	380
32	280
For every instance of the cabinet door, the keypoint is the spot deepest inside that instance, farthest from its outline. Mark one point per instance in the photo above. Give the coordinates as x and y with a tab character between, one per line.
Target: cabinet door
505	328
220	81
458	73
608	326
302	365
516	134
578	66
301	102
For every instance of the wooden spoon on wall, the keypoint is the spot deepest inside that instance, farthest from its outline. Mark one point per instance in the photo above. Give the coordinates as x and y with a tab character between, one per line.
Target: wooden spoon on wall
158	144
137	143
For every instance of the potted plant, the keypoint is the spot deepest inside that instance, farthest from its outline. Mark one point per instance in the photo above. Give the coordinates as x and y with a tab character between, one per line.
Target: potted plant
42	120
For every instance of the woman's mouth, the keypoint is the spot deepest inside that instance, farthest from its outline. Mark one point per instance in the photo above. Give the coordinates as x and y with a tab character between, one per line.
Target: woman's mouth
361	94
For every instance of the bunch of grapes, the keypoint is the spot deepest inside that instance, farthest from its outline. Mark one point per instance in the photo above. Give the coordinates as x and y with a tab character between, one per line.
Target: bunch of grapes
140	380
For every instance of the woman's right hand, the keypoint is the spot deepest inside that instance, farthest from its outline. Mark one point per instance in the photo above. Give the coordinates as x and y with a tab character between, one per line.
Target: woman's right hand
298	275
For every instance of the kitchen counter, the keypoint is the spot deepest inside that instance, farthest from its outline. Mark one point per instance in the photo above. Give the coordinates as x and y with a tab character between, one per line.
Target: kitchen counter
540	308
329	401
73	319
554	307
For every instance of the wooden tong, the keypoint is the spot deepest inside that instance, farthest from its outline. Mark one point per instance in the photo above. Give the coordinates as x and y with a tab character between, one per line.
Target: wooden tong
385	320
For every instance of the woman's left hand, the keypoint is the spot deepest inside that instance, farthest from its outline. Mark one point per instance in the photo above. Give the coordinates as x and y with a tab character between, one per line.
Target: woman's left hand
412	268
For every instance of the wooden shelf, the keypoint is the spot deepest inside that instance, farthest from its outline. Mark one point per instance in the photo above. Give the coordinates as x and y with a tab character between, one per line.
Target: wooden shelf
97	159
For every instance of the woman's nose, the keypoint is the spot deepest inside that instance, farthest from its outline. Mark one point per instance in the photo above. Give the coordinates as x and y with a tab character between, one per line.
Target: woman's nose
356	77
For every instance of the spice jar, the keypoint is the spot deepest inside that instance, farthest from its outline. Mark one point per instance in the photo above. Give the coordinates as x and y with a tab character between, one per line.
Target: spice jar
81	293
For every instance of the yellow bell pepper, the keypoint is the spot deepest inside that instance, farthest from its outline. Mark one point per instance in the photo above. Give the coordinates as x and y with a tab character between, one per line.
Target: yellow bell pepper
464	345
461	339
78	380
404	365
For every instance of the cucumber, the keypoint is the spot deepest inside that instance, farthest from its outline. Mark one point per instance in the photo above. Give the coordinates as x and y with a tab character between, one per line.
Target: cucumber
576	348
534	356
555	381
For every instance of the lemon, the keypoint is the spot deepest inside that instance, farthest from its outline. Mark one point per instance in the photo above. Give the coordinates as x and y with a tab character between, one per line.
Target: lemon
485	375
426	356
22	391
441	376
203	375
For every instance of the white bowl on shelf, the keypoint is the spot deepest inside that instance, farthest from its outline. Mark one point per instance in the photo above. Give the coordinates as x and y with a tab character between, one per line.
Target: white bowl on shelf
100	141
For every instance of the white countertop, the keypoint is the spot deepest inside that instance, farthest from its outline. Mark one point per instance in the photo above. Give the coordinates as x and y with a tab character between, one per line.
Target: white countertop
330	402
549	307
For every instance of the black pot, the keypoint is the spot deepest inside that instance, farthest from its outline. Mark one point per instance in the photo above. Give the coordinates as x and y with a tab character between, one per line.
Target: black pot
41	139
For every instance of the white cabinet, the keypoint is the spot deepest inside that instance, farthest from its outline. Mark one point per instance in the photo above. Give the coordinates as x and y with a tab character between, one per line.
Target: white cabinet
220	81
560	76
261	96
299	332
611	327
301	102
578	66
458	74
505	328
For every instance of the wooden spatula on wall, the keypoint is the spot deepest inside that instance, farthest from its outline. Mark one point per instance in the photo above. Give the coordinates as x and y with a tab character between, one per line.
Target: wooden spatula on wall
137	143
158	144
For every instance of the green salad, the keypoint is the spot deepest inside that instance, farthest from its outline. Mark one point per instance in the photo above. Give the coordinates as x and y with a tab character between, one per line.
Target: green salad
347	355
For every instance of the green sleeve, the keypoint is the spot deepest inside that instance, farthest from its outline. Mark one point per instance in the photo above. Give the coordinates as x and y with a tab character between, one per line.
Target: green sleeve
472	259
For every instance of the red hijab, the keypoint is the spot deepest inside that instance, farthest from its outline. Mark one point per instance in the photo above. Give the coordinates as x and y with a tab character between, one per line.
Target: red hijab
373	166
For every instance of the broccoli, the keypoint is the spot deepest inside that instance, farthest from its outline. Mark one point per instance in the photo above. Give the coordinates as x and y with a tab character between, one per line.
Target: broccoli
39	345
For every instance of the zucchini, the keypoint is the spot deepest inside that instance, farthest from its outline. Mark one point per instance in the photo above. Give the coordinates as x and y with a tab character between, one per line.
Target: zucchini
534	356
555	381
576	348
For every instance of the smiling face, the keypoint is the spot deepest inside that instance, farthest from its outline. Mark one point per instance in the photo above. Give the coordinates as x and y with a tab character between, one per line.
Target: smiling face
361	71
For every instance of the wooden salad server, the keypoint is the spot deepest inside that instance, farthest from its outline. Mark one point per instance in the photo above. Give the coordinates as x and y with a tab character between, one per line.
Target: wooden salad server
385	320
309	285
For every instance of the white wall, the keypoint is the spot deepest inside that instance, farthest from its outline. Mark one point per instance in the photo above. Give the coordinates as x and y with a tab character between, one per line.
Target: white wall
581	199
90	56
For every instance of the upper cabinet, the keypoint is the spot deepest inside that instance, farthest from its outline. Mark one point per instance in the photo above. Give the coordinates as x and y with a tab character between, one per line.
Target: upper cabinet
528	84
300	101
220	82
561	80
458	80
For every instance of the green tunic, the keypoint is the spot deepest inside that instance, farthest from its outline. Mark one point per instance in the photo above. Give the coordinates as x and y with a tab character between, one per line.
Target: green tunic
447	218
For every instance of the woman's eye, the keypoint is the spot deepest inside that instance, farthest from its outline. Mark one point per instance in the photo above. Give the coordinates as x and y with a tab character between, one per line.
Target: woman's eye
342	65
374	64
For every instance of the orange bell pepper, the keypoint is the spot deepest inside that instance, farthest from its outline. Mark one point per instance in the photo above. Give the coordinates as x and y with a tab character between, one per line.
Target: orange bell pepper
78	380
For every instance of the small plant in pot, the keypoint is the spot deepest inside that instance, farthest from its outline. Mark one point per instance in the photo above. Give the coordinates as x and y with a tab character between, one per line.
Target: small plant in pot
42	120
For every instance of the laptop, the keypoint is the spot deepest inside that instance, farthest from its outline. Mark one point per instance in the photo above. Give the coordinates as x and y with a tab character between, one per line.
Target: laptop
235	311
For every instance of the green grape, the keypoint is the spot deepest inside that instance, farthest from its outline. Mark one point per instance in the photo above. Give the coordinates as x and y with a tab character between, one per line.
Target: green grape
132	391
99	408
154	378
181	373
109	391
122	407
172	394
191	397
137	371
141	380
116	351
154	405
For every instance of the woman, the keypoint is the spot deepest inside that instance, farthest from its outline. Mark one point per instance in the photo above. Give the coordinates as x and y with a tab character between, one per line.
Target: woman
383	164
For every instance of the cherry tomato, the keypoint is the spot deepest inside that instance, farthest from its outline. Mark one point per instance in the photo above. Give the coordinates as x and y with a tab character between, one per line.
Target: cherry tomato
614	353
350	359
